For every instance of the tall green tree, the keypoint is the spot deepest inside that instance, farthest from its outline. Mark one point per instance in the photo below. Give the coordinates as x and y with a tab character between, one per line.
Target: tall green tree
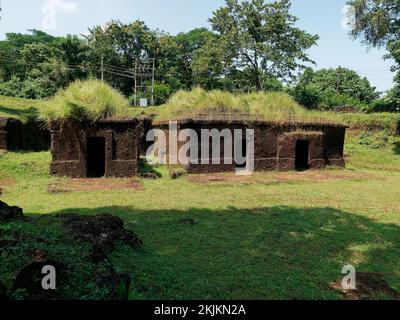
258	36
377	24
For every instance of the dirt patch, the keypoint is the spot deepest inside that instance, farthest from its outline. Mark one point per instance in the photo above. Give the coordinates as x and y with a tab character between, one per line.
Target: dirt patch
101	184
370	286
6	183
277	177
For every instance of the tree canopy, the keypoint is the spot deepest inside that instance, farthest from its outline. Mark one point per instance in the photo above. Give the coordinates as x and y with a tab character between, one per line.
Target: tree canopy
260	37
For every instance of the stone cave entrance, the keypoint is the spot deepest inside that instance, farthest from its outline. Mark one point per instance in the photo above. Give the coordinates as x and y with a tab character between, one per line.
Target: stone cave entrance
302	155
96	157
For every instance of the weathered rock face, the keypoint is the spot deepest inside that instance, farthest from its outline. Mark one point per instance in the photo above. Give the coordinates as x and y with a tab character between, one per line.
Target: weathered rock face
102	231
8	213
276	145
30	276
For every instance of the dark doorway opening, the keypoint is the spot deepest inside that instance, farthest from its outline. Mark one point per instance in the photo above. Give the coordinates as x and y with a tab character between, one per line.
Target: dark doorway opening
96	157
302	155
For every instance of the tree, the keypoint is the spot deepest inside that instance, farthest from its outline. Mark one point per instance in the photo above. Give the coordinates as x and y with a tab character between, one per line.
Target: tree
121	45
377	24
339	81
259	36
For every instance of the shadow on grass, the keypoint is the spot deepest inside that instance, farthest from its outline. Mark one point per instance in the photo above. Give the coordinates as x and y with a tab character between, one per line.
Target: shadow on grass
396	148
26	114
264	253
147	168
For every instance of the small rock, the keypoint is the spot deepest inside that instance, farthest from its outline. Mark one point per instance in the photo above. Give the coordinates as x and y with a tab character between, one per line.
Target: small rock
187	222
54	189
8	213
149	175
177	174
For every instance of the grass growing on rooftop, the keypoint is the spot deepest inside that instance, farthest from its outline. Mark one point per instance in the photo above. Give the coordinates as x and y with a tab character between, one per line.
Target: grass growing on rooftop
86	100
269	106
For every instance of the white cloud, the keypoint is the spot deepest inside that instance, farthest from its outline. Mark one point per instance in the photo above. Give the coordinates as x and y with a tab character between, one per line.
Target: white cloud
63	6
50	9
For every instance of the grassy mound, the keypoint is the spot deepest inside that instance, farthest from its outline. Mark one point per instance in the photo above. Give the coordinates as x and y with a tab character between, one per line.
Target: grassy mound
19	108
274	106
86	100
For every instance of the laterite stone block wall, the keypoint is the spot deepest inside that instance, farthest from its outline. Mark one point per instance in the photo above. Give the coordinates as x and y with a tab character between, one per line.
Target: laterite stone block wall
69	147
275	144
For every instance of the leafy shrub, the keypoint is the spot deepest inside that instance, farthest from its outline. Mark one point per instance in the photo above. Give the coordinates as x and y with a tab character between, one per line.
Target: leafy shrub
383	105
29	89
162	92
86	100
330	100
307	96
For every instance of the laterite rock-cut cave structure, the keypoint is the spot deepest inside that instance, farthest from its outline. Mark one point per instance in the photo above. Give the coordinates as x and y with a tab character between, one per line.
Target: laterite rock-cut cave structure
112	148
277	146
109	148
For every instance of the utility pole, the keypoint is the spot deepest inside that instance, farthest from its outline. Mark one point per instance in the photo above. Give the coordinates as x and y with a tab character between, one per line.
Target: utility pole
152	84
14	51
135	94
102	67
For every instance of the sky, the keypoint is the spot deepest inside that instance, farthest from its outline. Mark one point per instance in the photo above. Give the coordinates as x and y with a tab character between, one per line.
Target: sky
322	17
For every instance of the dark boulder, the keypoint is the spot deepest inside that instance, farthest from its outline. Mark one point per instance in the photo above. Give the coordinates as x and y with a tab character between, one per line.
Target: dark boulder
102	231
30	276
8	213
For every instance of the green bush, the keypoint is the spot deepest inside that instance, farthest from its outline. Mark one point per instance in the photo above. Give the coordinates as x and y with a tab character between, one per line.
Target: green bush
383	105
162	92
28	89
307	96
86	100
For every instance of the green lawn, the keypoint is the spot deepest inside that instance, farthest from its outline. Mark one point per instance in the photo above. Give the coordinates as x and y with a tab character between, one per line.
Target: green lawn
273	236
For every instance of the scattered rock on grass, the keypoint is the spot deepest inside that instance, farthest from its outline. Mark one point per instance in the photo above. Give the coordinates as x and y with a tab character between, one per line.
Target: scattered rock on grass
29	277
189	222
149	175
102	231
177	174
369	287
8	213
